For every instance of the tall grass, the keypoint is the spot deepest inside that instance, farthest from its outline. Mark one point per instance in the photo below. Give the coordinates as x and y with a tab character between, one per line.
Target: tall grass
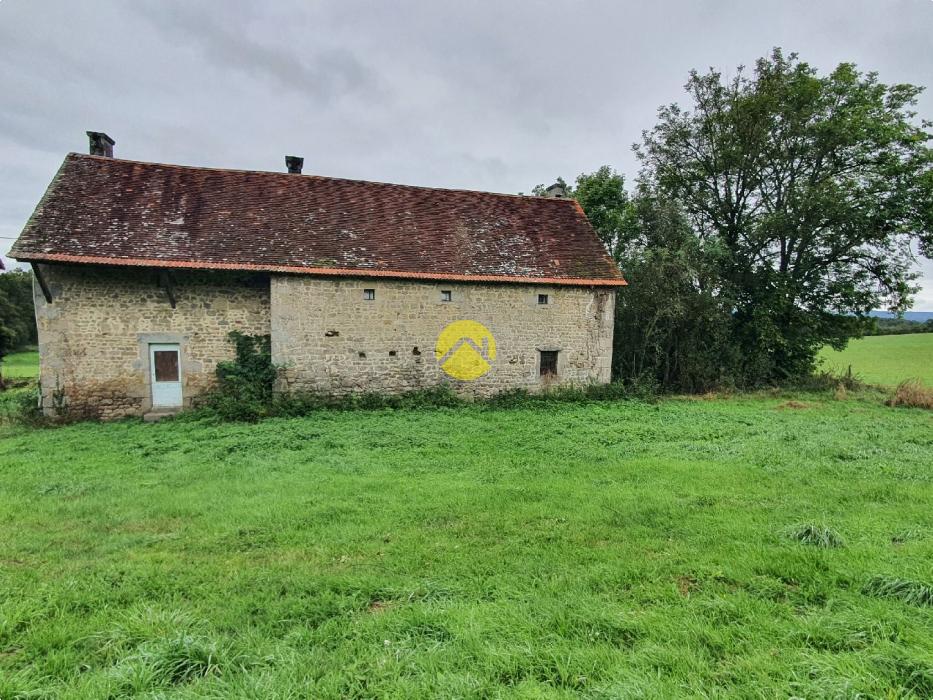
817	536
911	393
905	590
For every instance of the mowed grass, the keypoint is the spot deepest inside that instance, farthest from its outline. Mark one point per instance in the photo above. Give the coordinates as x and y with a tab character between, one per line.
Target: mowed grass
885	359
20	365
750	547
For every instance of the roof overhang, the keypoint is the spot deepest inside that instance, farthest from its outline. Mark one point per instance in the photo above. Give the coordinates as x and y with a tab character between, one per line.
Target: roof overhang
317	271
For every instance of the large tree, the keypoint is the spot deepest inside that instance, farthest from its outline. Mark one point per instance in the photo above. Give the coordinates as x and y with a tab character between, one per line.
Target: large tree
805	193
17	315
672	328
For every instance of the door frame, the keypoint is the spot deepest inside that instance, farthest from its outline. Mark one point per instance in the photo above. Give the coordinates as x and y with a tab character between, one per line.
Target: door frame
166	347
143	364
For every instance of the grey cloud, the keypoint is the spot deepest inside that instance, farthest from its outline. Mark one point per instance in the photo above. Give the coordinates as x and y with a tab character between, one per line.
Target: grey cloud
481	95
222	32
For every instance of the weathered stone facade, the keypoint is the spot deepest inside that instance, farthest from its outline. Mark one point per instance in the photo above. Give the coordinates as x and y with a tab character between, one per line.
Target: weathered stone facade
94	336
328	337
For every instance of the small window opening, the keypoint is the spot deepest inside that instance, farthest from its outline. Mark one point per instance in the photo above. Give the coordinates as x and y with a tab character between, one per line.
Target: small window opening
542	299
549	363
393	353
369	294
447	295
166	365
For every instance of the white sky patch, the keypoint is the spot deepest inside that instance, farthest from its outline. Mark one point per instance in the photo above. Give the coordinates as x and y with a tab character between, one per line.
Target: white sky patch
480	95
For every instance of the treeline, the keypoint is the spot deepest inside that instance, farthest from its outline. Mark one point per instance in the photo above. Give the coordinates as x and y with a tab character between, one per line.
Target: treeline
17	312
899	326
770	216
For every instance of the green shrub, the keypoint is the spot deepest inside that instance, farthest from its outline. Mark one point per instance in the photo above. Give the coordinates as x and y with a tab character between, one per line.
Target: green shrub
302	403
245	385
510	398
21	407
614	391
828	381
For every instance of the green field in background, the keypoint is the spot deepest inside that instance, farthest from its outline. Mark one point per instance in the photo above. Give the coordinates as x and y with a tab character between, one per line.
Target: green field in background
20	365
885	359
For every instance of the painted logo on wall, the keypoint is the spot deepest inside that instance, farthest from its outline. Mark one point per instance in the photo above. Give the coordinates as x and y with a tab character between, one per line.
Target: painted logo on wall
465	350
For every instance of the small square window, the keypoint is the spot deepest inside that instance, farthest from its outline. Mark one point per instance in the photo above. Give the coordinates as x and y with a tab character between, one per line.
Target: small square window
549	363
447	295
542	299
369	294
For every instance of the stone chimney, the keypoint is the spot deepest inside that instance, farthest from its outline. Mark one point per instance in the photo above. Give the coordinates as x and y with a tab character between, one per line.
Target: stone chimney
556	191
101	144
294	164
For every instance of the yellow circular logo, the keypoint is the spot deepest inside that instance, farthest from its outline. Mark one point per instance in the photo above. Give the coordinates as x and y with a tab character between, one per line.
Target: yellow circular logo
465	350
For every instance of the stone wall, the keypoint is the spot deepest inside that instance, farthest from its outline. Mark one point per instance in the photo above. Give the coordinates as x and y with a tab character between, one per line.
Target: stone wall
329	338
93	336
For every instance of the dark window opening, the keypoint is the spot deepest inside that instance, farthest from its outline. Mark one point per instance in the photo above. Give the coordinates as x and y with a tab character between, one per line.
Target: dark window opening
393	353
447	295
549	363
166	365
369	294
542	299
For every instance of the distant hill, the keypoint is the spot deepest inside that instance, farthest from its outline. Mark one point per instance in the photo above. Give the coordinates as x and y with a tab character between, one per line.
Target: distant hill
918	316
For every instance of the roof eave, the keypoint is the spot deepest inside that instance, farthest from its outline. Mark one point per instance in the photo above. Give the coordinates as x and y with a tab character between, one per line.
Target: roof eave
25	256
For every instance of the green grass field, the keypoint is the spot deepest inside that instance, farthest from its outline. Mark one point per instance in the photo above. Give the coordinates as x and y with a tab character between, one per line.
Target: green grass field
21	365
602	550
885	359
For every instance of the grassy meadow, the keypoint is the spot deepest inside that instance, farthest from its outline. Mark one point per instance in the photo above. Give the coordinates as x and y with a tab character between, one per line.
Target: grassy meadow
755	547
885	359
21	365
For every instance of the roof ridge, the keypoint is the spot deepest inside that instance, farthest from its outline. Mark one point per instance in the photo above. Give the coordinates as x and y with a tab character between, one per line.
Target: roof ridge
380	183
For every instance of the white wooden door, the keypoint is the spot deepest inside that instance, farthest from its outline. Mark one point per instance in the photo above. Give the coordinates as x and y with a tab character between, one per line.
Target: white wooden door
165	370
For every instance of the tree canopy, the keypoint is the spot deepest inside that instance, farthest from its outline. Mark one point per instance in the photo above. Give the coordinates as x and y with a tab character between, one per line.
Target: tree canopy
770	216
810	189
17	314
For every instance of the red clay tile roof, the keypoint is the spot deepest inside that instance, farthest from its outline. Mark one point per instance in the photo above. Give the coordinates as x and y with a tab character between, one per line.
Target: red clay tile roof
120	212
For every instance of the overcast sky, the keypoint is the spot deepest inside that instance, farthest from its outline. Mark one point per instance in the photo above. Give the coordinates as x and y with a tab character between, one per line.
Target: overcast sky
482	95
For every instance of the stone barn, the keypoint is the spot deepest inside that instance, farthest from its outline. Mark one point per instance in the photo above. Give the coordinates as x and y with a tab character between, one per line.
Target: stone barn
143	269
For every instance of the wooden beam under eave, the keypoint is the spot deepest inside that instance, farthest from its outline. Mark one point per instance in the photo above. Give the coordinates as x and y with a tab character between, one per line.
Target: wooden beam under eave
165	281
43	284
